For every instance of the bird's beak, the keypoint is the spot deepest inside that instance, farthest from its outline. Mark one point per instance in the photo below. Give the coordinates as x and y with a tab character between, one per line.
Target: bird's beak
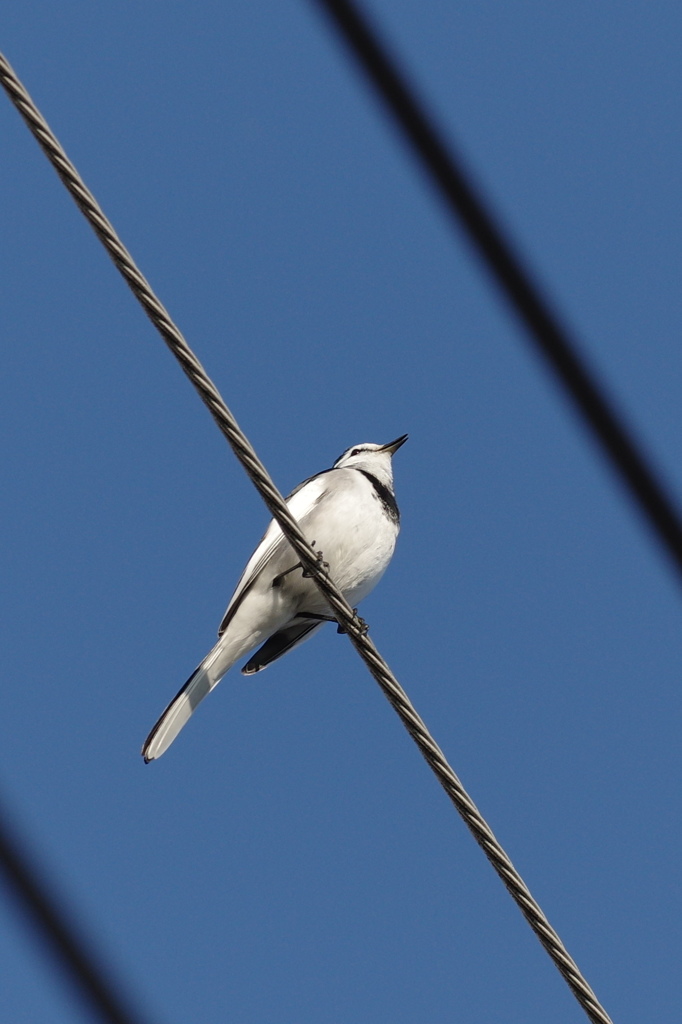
392	448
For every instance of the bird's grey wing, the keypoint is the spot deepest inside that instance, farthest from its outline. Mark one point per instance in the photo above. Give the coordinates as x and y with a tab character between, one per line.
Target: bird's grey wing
301	503
281	642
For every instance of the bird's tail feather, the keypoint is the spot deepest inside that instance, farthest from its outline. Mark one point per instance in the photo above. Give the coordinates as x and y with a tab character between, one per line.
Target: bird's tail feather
205	677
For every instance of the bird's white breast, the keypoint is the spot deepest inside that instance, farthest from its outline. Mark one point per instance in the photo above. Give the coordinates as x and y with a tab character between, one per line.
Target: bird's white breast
352	529
343	517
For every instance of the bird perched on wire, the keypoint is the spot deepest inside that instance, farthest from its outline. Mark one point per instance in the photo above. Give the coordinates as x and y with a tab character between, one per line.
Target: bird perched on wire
349	512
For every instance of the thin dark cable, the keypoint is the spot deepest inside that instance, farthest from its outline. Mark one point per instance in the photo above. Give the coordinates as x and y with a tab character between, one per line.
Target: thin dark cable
550	336
259	476
93	982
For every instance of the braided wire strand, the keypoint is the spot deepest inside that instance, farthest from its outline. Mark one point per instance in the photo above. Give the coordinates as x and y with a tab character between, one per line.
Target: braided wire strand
263	483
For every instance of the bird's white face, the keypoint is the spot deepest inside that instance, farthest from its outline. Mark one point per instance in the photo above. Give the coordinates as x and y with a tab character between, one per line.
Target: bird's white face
373	458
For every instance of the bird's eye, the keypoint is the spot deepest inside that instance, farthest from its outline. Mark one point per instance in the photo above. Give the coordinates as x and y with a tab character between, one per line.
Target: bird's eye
356	451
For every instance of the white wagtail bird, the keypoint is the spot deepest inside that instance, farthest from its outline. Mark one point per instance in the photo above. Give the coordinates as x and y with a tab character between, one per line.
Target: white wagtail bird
349	512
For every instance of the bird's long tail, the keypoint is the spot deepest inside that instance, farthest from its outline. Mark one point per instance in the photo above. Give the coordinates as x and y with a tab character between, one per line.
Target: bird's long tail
205	677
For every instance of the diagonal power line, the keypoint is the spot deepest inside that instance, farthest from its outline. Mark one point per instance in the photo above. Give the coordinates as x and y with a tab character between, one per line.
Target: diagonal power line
277	506
550	337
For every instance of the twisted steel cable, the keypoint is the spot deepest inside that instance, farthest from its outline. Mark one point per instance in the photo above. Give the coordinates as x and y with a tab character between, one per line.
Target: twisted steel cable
310	560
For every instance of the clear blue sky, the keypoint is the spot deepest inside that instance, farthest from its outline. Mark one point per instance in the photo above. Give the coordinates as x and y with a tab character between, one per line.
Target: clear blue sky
291	860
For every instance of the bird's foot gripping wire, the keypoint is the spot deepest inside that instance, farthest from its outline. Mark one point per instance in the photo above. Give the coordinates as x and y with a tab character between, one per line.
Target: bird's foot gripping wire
321	564
306	575
362	626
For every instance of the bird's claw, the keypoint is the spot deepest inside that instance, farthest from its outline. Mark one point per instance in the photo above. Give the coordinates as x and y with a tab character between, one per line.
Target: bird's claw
359	622
321	564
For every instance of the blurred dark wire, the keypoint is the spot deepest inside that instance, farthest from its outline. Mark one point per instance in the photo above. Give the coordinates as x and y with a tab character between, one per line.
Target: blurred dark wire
94	985
542	322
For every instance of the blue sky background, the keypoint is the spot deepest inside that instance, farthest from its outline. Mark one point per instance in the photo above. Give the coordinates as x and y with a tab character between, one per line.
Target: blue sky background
291	860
